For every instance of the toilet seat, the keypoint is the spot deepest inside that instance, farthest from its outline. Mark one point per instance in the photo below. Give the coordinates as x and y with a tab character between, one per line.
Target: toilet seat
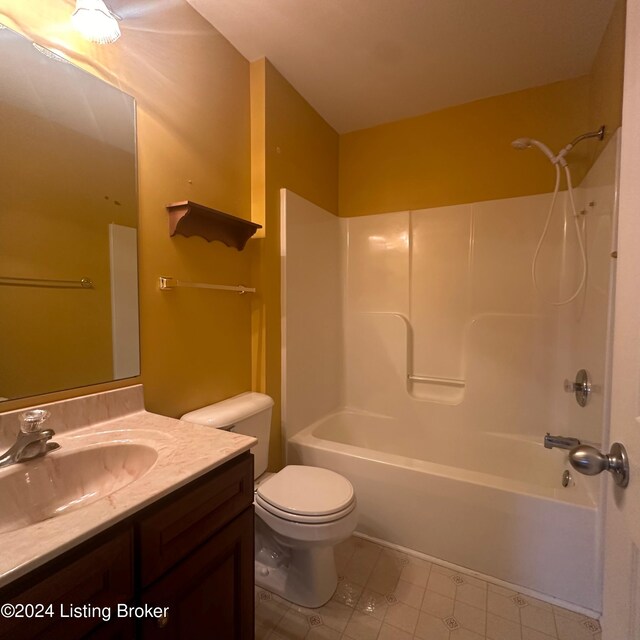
304	519
306	495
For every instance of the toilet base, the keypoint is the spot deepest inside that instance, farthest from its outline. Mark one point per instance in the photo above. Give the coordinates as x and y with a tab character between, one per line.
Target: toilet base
307	578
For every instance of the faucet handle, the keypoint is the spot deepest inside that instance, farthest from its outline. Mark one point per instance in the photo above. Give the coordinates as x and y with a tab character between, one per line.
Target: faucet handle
31	421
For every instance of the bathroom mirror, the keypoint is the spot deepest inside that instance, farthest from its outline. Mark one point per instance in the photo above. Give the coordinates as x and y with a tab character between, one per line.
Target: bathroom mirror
68	225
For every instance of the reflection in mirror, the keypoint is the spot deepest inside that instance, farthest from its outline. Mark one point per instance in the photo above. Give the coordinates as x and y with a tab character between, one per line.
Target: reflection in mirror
68	219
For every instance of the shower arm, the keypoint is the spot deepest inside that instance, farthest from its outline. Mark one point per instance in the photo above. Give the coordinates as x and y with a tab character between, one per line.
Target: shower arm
591	134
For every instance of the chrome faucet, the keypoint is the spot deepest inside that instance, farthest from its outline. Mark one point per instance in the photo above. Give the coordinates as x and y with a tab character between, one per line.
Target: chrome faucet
32	441
560	442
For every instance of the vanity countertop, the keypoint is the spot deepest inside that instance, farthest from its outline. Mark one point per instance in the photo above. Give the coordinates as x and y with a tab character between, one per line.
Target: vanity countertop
184	452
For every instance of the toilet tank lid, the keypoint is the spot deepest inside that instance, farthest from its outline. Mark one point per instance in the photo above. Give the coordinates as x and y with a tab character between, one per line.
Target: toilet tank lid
230	411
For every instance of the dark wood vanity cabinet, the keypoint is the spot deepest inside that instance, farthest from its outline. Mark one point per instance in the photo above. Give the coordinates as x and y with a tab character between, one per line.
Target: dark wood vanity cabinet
206	595
181	568
196	559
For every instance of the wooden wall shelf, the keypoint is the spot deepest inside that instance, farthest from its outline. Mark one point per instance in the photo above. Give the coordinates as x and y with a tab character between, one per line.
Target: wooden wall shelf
191	219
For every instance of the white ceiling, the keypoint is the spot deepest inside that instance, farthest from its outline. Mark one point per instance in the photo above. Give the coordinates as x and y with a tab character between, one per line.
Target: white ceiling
363	62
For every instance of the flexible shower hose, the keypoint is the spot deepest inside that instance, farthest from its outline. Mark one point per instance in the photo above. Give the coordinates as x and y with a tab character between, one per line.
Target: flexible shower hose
583	253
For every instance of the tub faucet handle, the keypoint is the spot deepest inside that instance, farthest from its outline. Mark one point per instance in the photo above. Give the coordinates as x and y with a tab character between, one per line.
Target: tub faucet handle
581	387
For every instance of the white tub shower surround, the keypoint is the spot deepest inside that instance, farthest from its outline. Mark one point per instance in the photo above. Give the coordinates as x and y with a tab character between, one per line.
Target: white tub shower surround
422	332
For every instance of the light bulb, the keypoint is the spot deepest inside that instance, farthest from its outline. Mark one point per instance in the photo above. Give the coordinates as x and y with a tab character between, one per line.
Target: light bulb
95	22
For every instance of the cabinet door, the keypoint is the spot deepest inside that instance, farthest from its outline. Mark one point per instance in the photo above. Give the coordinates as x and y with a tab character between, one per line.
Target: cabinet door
191	516
210	594
98	578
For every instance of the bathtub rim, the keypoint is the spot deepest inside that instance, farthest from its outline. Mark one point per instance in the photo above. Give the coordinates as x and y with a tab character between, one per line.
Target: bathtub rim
306	437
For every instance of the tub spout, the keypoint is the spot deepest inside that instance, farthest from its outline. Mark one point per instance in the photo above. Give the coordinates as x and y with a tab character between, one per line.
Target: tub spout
560	442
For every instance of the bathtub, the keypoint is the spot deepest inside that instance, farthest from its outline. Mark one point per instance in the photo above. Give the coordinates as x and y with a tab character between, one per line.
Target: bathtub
488	502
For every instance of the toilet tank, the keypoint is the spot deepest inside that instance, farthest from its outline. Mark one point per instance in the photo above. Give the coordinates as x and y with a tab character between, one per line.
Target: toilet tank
248	413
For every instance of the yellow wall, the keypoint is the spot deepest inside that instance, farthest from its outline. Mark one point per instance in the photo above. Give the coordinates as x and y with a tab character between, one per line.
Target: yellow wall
192	89
463	153
606	78
294	148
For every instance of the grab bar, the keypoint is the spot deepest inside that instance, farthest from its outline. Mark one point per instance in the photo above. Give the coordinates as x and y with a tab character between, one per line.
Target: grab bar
451	382
83	283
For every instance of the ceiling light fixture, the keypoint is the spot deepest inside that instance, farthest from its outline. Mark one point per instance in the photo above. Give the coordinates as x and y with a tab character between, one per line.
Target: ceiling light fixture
95	22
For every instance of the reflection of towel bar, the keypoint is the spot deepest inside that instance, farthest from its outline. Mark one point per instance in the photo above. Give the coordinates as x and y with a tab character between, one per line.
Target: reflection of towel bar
167	284
83	283
451	382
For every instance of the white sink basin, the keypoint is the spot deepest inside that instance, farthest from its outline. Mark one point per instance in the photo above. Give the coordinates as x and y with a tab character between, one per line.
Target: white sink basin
61	482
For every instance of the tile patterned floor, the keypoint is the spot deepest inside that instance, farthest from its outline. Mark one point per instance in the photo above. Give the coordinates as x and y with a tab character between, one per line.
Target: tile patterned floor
386	595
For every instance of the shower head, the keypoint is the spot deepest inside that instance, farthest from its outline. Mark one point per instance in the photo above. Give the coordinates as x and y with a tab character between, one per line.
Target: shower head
527	143
521	143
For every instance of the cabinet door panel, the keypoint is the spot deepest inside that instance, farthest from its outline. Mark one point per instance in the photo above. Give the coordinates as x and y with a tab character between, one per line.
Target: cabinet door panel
102	577
175	529
209	595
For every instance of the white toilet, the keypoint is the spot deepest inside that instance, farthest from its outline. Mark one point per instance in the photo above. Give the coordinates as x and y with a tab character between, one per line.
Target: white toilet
301	512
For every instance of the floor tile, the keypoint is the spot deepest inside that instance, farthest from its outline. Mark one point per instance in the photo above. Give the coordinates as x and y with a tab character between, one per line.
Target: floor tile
366	551
348	593
292	626
532	634
387	632
470	617
272	635
473	595
438	568
416	572
409	593
538	603
572	629
269	613
476	582
385	574
502	606
398	557
373	603
402	616
362	627
414	600
465	634
501	629
442	583
565	613
437	605
496	588
262	631
358	569
430	628
335	615
323	633
539	619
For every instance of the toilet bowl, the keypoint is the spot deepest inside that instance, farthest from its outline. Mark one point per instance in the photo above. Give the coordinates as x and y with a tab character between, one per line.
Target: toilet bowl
301	512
